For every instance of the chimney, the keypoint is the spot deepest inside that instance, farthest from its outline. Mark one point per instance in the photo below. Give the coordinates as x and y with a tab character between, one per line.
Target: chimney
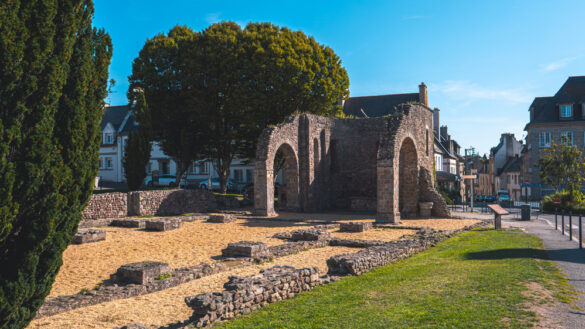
422	94
444	133
436	121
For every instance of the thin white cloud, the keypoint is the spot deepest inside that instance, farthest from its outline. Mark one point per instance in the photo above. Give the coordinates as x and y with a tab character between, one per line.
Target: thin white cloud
557	65
472	91
212	18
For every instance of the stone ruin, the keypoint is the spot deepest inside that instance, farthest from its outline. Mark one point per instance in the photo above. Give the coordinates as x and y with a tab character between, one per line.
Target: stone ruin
246	249
88	235
355	226
381	164
221	218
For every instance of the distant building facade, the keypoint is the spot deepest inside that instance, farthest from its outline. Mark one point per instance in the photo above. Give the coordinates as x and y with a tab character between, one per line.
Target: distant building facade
552	119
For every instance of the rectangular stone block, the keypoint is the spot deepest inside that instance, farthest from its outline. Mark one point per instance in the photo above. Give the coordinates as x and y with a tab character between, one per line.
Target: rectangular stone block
138	223
162	225
221	218
355	226
88	235
141	272
310	234
246	249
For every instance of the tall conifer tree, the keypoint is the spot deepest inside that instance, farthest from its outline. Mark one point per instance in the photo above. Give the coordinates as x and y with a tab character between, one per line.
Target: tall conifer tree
53	80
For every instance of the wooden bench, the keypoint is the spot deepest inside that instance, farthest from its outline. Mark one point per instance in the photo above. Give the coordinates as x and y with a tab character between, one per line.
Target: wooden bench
498	213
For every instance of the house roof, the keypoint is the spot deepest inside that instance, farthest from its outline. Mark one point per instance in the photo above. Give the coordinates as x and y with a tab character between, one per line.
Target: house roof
114	115
545	109
377	106
511	165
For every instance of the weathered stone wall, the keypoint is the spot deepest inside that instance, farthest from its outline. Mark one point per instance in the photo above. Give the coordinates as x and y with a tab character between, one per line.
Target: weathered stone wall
246	294
170	202
106	205
347	163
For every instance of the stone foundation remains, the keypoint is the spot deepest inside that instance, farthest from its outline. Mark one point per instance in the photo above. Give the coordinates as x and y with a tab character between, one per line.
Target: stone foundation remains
88	235
246	294
128	222
162	224
248	249
355	226
221	218
309	234
141	272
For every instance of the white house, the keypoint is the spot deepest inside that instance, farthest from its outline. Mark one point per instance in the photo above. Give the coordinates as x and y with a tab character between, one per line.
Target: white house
118	122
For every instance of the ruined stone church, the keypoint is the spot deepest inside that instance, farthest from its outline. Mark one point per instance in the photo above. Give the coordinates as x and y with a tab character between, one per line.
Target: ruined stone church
379	160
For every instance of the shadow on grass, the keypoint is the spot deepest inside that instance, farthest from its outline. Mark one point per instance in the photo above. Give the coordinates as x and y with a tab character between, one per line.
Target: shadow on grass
567	255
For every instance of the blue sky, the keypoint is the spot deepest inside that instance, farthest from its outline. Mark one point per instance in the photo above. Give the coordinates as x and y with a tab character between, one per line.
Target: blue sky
484	62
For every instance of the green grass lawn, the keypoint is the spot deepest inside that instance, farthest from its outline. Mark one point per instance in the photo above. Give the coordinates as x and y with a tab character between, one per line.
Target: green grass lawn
477	279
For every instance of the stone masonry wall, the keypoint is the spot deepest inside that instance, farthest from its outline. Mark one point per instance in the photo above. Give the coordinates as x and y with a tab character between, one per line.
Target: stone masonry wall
106	205
170	202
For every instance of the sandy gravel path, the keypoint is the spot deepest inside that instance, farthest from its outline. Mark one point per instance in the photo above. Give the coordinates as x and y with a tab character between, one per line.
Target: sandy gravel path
168	306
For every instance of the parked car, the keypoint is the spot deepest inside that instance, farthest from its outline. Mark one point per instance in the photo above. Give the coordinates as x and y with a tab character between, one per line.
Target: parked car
215	185
163	180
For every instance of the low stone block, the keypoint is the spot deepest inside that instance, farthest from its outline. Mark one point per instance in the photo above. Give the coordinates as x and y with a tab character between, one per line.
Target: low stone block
310	234
88	235
141	272
221	218
246	249
137	223
355	226
162	225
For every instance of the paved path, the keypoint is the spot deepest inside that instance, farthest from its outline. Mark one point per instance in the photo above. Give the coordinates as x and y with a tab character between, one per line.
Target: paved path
567	255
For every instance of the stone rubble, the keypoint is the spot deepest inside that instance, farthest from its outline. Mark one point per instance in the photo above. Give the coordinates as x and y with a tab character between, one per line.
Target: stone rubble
162	224
355	226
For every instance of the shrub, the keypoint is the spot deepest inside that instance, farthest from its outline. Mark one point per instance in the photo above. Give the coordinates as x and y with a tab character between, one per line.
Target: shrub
577	206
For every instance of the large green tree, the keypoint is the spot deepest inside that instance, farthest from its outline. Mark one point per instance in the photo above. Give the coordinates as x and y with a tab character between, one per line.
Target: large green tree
235	82
53	81
562	165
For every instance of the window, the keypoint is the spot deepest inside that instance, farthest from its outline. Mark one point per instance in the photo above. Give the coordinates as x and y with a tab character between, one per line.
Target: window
109	163
453	170
544	139
567	138
238	175
438	163
109	138
566	111
149	168
249	175
202	168
101	164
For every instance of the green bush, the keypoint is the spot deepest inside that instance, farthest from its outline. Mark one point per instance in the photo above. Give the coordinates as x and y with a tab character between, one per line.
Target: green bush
448	200
577	206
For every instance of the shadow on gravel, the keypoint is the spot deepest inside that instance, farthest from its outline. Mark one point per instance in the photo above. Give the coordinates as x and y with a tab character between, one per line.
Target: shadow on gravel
567	255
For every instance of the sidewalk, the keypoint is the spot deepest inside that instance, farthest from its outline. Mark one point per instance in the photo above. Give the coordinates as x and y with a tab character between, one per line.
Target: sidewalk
567	255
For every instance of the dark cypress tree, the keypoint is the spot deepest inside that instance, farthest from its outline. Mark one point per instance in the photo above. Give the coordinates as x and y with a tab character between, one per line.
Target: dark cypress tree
137	151
53	80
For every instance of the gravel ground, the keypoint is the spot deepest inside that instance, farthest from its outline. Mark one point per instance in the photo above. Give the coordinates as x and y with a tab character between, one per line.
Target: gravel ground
168	306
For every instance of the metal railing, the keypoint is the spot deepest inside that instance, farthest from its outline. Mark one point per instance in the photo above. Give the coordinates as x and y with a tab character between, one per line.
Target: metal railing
570	227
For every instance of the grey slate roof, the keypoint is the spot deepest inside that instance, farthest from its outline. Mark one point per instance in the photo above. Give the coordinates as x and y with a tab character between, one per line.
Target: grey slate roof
114	115
511	165
377	106
545	109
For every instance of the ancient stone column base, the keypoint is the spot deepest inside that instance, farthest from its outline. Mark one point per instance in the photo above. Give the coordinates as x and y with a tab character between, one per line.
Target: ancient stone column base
264	213
392	218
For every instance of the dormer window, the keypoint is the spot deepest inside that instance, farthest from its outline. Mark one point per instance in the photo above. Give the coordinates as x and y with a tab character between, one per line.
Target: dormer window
108	138
566	111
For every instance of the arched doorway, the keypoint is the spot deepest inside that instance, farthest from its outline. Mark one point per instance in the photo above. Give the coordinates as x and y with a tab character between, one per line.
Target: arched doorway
286	180
408	180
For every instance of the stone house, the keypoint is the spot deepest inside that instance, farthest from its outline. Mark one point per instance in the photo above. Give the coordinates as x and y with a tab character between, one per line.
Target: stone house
551	118
505	165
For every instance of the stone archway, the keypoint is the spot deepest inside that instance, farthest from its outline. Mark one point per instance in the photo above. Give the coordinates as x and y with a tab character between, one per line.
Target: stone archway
408	179
288	194
265	175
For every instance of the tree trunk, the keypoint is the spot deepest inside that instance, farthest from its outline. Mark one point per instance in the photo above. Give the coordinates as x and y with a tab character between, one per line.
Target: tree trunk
222	166
182	167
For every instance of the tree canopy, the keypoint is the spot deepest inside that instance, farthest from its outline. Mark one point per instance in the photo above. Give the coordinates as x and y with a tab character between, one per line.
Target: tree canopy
562	165
53	80
218	88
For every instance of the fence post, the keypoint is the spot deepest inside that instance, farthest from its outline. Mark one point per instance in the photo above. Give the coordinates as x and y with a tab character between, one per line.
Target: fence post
556	213
563	221
570	225
580	233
